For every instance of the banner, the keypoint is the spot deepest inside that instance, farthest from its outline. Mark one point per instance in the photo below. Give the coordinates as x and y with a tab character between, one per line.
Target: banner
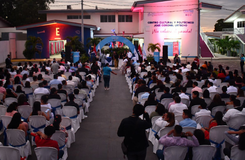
175	48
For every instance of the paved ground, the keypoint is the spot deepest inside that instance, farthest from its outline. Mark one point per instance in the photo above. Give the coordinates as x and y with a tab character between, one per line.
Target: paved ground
97	138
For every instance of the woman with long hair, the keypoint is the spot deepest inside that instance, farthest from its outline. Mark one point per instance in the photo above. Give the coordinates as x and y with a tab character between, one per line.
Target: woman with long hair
19	90
240	93
151	100
22	100
216	102
57	126
217	120
167	120
16	123
160	110
36	110
17	80
12	109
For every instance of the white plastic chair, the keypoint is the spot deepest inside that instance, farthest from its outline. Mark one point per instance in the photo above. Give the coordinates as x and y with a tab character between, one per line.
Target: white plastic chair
17	139
142	74
6	120
54	86
178	118
9	153
216	134
3	110
46	153
226	99
62	96
25	111
153	129
175	153
241	100
60	137
56	103
37	97
1	96
212	94
166	101
188	90
218	108
236	122
236	153
204	120
233	93
152	85
188	129
37	123
10	100
67	123
203	152
158	95
195	109
149	109
186	102
71	112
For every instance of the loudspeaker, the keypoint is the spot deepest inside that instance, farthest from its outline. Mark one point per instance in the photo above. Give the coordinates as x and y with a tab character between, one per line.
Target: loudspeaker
67	53
165	54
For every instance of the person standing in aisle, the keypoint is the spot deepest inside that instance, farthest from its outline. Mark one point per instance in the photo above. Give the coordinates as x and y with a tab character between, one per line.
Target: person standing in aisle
115	57
106	76
242	62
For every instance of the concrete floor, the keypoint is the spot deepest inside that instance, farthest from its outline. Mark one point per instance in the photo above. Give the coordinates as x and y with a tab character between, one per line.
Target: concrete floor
97	138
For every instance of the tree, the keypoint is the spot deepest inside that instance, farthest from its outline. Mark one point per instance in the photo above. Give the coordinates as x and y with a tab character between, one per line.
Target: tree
220	25
75	44
153	47
31	47
93	41
22	12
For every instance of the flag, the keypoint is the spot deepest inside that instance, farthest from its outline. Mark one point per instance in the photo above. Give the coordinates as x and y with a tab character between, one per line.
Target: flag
140	51
94	49
144	52
136	55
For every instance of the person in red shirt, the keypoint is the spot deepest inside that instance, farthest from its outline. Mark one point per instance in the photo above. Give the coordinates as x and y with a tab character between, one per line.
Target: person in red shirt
44	140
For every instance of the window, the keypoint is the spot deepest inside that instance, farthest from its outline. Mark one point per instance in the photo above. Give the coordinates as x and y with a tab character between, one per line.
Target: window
78	17
125	18
240	24
107	18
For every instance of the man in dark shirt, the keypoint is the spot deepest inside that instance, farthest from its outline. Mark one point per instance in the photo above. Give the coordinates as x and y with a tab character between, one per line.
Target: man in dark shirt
53	94
133	130
8	62
72	103
166	94
142	88
224	94
195	100
83	69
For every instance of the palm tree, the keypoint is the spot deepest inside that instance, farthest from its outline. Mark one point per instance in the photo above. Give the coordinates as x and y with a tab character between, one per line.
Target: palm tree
93	41
153	47
74	43
234	45
33	45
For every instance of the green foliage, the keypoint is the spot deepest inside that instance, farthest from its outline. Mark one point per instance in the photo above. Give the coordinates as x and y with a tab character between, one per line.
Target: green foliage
22	12
153	47
84	58
220	25
150	58
30	47
228	44
75	44
130	39
117	50
93	41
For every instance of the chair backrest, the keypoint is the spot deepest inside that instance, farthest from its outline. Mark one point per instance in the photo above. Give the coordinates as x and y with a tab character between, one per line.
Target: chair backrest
152	85
175	153
216	133
241	100
226	99
208	101
236	153
37	121
86	89
54	86
218	108
44	153
149	109
224	84
165	130
204	120
140	95
233	93
16	137
25	110
178	118
188	129
203	152
9	153
60	137
66	121
158	95
1	96
195	109
6	120
153	119
185	101
217	82
46	110
188	90
38	96
166	101
212	94
142	74
54	102
27	90
10	100
3	110
236	122
62	96
69	111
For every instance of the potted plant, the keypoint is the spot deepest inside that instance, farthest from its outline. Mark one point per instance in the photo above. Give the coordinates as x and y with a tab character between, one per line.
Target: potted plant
152	48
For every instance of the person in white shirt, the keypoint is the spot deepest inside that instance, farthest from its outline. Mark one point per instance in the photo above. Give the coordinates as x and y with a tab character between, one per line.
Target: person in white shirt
203	111
231	113
183	95
196	88
74	78
60	78
231	88
178	107
70	82
211	87
41	90
129	54
25	71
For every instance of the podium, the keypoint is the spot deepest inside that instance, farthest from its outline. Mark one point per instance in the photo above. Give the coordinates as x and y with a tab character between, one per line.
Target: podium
76	56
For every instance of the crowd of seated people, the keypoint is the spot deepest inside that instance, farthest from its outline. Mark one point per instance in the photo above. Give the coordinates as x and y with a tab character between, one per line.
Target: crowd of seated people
190	95
37	85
